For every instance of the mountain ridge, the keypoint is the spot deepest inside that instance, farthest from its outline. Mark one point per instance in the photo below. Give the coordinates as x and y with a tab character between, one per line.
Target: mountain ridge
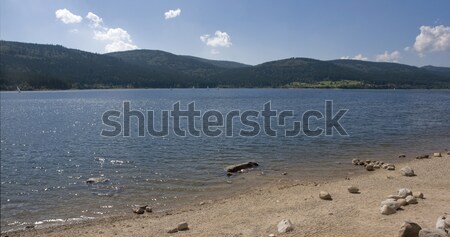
40	66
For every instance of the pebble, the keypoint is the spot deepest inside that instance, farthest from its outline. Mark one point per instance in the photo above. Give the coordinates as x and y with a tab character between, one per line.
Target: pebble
404	192
402	202
324	195
182	226
437	154
391	203
441	223
407	171
139	209
171	231
387	210
353	189
285	226
425	232
418	195
423	157
411	200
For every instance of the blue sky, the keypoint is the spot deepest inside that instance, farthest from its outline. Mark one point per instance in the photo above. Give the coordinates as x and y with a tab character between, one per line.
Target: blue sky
250	31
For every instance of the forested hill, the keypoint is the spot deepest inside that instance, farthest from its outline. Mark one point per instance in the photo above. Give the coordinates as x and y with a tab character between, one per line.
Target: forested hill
37	66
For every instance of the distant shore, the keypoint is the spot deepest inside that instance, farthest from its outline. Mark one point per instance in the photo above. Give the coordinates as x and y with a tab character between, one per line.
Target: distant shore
257	212
225	88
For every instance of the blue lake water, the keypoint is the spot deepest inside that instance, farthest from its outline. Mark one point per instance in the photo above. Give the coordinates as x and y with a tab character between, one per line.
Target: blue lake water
51	143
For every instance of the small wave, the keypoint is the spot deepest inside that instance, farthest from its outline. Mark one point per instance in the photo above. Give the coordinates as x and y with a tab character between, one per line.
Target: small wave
48	221
118	162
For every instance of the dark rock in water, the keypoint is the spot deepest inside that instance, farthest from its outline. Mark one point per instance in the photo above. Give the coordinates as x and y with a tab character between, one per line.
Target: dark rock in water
423	157
409	229
236	168
29	227
402	156
96	180
138	209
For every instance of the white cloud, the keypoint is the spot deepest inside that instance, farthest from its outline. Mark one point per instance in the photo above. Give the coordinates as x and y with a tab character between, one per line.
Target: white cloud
67	17
172	13
432	39
388	57
95	20
356	57
113	34
220	39
119	46
118	39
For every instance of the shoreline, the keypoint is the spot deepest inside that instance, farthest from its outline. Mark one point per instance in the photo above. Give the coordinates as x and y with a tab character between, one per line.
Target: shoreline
228	88
285	197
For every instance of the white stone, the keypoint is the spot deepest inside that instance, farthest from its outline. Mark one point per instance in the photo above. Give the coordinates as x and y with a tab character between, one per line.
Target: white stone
324	195
442	223
402	202
418	195
387	210
411	200
425	232
391	203
285	226
404	192
407	171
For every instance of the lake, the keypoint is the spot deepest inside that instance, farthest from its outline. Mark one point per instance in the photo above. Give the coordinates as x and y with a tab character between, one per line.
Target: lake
51	143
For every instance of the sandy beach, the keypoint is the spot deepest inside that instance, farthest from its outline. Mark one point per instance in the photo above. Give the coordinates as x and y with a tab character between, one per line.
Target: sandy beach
258	211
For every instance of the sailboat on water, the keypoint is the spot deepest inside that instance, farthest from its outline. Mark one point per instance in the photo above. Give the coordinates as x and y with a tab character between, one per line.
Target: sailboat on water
18	89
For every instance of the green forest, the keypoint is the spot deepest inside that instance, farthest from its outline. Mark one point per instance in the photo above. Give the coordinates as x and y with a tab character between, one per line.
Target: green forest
54	67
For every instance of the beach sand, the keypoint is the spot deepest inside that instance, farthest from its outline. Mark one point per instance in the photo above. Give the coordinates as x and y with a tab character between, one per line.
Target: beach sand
257	212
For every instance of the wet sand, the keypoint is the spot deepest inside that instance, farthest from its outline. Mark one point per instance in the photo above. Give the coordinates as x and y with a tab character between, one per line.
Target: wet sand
258	211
